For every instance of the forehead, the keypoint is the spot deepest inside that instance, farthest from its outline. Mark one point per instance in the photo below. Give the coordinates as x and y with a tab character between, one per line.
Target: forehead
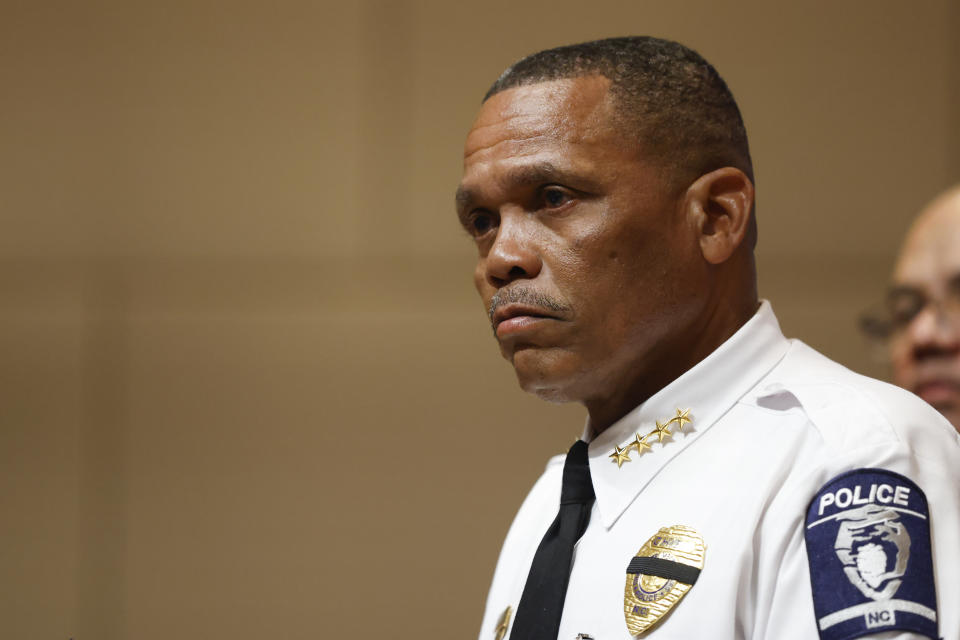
931	253
523	120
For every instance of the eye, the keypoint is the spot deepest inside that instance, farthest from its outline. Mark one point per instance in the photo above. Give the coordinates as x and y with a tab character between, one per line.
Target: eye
953	287
479	222
904	304
555	197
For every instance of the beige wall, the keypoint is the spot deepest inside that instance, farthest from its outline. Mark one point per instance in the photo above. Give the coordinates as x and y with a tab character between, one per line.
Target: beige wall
246	389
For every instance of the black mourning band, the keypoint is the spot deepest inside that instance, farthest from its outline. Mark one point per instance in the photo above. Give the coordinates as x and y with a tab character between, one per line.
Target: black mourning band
667	569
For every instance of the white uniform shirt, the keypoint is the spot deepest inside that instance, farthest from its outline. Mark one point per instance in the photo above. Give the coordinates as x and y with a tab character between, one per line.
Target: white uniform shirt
773	421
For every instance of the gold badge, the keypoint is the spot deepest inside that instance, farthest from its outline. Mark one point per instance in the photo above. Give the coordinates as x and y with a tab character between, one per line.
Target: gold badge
641	444
661	573
501	631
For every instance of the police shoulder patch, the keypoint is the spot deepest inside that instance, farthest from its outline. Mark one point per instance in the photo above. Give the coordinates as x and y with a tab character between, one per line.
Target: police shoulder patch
871	569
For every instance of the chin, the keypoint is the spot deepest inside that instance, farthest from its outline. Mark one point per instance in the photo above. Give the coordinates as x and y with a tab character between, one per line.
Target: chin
557	395
548	375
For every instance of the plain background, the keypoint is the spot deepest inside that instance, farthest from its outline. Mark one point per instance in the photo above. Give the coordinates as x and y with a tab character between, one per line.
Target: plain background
246	389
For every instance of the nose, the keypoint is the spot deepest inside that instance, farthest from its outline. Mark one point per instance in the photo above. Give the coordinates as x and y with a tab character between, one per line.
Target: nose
933	333
514	254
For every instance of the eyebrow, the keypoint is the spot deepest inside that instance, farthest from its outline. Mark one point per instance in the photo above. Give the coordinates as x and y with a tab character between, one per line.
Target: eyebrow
895	290
952	281
464	197
525	175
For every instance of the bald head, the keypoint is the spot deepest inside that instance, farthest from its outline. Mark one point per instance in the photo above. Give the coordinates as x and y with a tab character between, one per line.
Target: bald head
932	247
925	305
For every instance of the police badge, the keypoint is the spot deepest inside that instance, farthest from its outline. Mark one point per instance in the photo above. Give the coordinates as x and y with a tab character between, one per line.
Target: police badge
868	544
661	573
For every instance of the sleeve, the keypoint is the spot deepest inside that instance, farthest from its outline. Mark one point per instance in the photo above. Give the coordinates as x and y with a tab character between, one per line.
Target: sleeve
864	548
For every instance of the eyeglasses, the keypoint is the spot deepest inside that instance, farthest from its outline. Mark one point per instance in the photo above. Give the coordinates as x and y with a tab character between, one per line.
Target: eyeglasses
904	303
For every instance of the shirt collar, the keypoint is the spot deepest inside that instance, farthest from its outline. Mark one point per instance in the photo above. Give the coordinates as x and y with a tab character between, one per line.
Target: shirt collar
708	390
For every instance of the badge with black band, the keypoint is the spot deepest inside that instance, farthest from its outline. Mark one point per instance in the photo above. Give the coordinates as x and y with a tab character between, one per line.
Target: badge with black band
665	568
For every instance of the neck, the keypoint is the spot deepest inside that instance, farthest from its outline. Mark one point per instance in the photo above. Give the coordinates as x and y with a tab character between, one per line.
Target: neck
670	359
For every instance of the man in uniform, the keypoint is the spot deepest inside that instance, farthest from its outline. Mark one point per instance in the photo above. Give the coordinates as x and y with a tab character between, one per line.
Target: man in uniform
730	483
924	305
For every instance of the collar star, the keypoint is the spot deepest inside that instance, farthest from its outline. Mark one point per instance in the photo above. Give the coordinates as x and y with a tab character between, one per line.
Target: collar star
663	431
641	443
621	455
681	418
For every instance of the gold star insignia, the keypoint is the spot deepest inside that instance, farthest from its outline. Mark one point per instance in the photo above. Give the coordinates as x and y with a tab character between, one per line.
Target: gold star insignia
641	443
620	455
663	431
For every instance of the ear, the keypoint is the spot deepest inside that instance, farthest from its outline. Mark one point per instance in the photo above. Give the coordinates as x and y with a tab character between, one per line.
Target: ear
720	205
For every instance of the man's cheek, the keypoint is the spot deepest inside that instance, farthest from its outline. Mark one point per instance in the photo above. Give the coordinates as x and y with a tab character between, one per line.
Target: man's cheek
902	366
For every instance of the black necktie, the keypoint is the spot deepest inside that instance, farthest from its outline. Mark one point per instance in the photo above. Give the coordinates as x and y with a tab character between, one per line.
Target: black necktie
538	614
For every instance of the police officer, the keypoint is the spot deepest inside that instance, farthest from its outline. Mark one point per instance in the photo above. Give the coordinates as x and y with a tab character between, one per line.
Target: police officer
730	483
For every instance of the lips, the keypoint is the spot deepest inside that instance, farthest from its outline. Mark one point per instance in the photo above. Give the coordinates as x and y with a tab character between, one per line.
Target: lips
939	392
514	319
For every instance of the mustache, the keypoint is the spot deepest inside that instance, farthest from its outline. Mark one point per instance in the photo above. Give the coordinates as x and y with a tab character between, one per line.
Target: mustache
525	296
